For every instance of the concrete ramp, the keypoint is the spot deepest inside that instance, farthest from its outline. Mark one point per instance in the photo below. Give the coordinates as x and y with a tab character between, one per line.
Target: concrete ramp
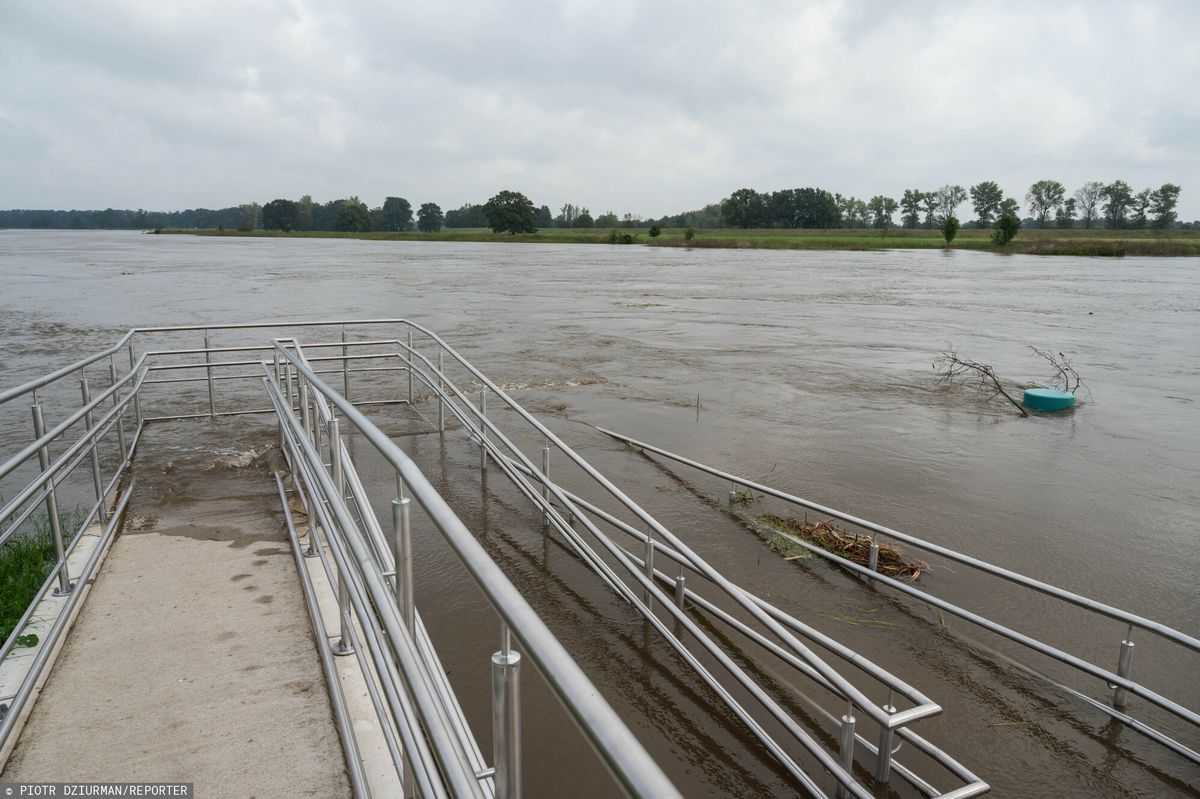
192	659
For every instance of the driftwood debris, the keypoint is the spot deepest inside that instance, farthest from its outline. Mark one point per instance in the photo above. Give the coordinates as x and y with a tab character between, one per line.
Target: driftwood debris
956	370
857	548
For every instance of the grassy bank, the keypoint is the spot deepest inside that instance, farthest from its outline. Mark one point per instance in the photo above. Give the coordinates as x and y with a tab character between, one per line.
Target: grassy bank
25	561
1112	243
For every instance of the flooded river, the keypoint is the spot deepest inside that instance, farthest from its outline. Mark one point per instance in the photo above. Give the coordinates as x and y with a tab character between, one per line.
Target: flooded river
810	371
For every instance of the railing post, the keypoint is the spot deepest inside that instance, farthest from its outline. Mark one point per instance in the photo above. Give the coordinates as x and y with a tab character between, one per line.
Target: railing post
339	481
112	377
305	416
648	564
64	578
97	478
680	591
410	366
441	397
546	481
846	746
873	558
883	764
483	430
1124	666
212	404
402	552
288	374
137	399
506	718
345	366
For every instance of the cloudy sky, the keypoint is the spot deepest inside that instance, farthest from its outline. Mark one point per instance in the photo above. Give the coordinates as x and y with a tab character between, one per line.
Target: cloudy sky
649	108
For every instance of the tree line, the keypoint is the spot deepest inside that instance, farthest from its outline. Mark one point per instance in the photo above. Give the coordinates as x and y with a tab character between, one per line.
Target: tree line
1112	205
1095	204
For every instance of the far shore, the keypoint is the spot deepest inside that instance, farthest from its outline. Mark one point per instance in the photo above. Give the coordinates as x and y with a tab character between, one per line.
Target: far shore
1037	241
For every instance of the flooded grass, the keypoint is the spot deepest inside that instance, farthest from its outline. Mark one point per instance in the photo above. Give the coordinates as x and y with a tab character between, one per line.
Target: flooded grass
857	548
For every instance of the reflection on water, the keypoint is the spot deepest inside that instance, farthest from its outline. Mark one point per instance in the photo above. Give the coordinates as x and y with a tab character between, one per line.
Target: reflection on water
807	370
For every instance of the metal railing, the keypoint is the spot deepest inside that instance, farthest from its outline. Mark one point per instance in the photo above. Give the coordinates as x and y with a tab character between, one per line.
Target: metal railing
427	736
655	594
1119	682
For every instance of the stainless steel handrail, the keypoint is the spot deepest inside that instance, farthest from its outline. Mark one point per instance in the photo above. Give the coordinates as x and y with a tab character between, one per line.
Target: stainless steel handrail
638	774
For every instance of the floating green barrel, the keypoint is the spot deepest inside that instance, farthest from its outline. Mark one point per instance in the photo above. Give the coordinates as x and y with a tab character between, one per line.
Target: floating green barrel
1048	399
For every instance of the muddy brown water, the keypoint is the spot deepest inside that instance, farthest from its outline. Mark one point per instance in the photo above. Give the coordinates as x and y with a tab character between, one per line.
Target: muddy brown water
813	374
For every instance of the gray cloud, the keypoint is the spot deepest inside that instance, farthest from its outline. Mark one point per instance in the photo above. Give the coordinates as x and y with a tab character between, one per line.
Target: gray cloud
623	106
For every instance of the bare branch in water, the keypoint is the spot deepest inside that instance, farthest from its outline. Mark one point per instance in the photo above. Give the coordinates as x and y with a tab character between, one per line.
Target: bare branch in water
1064	375
958	371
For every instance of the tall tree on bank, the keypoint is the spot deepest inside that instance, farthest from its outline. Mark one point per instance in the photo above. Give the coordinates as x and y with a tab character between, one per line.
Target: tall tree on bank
352	216
948	199
985	199
397	214
1162	205
1087	197
881	208
929	204
511	212
910	208
1042	198
1009	207
429	218
1117	197
1064	217
744	208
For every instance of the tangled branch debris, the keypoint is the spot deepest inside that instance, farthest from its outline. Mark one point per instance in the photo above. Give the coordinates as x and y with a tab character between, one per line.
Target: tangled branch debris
1064	377
955	370
850	546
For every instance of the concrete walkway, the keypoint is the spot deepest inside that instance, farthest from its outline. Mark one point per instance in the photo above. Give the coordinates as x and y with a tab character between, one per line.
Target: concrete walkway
192	659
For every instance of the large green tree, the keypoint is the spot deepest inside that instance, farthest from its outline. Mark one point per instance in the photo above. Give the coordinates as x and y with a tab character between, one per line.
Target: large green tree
744	208
985	199
429	218
511	212
929	204
1116	196
1042	198
910	208
881	208
397	214
352	216
1064	217
1162	205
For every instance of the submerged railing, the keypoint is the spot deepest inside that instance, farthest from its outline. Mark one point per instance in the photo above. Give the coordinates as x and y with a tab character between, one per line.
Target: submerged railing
863	714
1120	681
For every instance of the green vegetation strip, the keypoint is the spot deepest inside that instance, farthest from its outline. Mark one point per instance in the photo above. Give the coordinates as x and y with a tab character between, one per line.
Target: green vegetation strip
1110	243
25	562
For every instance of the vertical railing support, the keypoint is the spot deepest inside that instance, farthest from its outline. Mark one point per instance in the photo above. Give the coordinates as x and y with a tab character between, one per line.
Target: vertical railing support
1124	666
483	429
305	416
648	564
137	399
212	404
506	718
97	477
883	764
441	397
339	482
410	366
64	578
402	553
345	367
112	377
846	746
680	591
546	481
873	557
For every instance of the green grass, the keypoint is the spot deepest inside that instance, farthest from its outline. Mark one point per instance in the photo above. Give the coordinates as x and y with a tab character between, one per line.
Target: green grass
25	561
1048	241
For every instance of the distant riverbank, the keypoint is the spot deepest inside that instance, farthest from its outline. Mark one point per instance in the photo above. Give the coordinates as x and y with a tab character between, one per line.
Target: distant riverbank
1048	241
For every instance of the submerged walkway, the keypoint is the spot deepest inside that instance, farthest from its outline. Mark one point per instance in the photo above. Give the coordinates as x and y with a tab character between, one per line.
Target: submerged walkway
192	659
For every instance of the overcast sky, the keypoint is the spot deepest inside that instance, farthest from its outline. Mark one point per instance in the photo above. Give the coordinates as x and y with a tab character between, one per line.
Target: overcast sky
649	108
